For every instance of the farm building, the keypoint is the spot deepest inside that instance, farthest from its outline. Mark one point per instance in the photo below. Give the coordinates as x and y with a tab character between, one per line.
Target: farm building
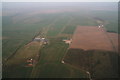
37	39
67	41
41	40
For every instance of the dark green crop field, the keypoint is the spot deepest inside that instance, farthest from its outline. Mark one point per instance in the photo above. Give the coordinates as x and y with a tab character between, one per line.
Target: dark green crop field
101	64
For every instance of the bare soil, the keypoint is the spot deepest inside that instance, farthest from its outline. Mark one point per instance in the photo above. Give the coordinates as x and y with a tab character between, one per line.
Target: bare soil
114	38
93	38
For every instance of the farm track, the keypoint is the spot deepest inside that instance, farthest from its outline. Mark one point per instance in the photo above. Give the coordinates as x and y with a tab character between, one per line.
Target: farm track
43	34
81	69
111	41
105	32
100	21
71	19
46	29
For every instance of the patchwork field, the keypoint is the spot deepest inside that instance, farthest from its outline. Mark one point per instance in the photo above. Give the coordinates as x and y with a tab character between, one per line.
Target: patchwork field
50	65
56	22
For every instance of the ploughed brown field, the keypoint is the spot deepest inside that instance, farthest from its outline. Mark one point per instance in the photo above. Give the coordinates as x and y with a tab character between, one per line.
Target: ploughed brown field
94	38
114	38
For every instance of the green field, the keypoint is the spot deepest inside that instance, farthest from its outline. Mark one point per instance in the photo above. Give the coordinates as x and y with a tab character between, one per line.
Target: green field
101	64
50	65
20	26
16	65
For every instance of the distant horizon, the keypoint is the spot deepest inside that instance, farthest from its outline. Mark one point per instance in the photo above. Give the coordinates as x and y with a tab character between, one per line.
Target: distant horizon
110	5
60	1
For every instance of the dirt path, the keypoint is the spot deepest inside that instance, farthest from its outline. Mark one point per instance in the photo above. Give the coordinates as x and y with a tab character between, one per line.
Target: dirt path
46	29
111	41
65	26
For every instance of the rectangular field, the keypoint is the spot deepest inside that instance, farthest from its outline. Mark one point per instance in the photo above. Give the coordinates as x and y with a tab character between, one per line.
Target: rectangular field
92	38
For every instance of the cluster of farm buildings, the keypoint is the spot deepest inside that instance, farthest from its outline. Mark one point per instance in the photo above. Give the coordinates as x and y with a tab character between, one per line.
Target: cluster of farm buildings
41	39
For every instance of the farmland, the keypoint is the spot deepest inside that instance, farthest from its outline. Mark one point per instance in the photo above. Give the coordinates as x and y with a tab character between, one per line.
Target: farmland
94	61
50	65
94	50
86	36
55	23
